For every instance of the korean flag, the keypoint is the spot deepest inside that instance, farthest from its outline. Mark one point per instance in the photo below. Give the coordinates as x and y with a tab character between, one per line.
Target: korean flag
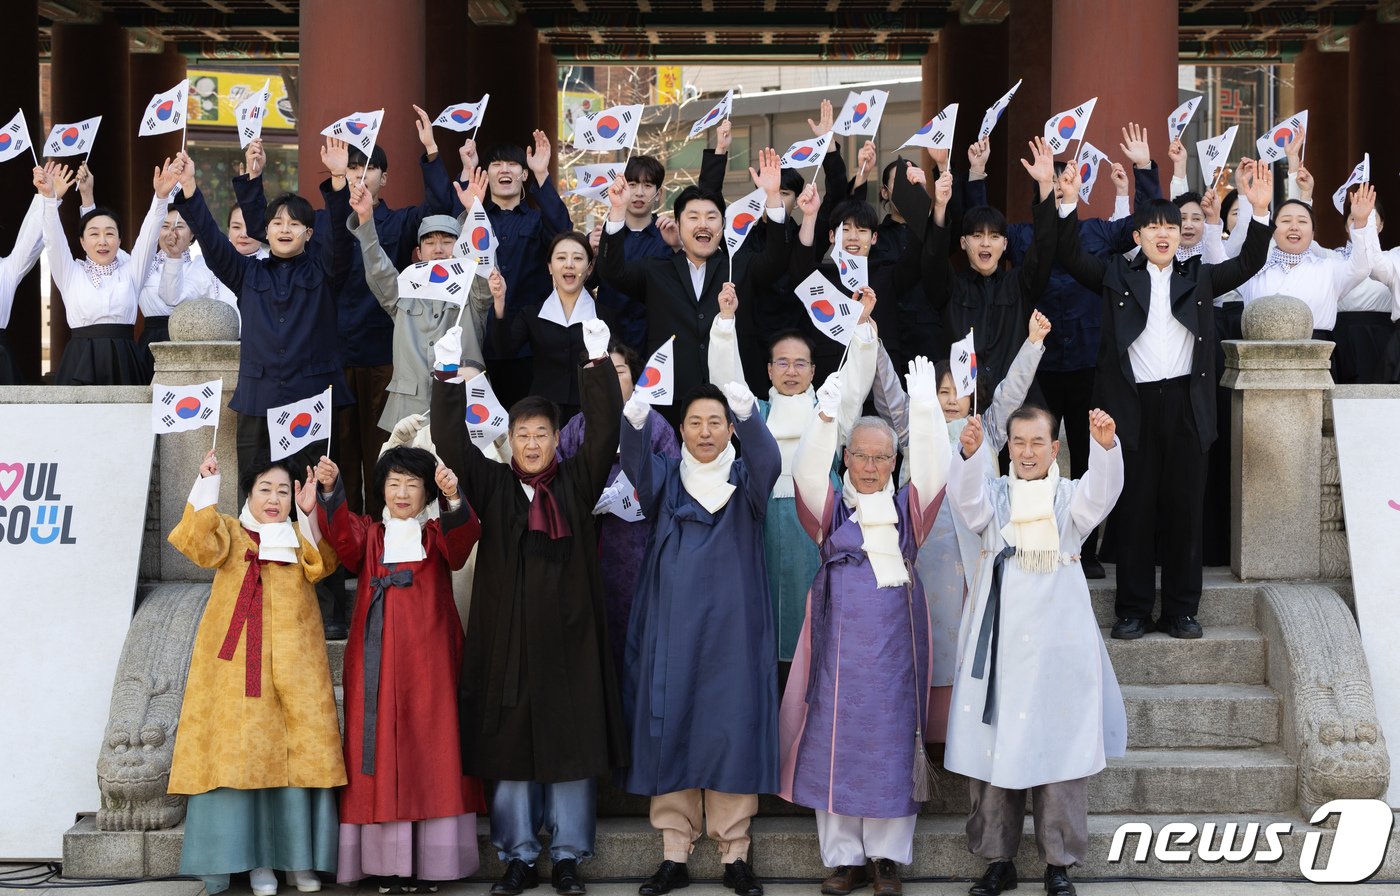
14	137
1069	125
833	312
181	408
721	111
486	416
850	268
360	130
463	116
294	426
593	180
1177	122
248	116
449	280
1090	158
612	128
740	218
478	241
861	113
166	111
807	153
1213	153
1271	145
72	139
938	132
657	384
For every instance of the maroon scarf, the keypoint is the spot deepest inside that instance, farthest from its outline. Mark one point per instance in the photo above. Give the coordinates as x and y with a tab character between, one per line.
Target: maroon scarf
545	516
248	613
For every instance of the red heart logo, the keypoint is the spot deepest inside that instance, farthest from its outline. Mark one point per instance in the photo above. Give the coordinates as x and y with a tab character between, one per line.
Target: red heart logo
9	479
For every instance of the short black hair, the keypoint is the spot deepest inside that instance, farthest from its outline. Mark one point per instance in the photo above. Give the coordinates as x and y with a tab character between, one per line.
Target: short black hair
1186	199
791	181
790	333
261	464
890	169
409	461
532	406
504	152
99	212
857	212
703	392
645	170
228	221
576	237
298	208
1033	412
694	194
942	369
983	218
1227	203
1155	211
629	356
377	158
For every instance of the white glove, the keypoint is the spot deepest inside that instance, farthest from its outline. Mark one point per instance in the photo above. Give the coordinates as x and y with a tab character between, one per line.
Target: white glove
407	429
447	353
923	382
741	400
636	411
606	498
595	338
829	397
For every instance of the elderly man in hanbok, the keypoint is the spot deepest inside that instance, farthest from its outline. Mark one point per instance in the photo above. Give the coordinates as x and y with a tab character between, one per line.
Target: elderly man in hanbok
853	712
1036	705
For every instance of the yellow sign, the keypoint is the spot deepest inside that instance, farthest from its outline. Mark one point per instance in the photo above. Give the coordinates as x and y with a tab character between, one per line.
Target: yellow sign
669	89
214	95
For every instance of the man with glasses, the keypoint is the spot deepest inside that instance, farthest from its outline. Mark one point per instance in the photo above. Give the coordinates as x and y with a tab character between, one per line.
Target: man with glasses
791	406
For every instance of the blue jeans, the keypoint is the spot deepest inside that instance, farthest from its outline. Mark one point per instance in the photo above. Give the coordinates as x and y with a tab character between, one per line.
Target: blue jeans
568	810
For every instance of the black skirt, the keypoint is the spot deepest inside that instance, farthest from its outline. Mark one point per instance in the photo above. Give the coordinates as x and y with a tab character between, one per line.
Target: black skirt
1361	338
153	329
102	355
9	373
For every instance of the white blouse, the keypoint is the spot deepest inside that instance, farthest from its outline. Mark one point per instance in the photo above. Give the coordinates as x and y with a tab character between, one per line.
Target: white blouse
28	244
115	300
175	280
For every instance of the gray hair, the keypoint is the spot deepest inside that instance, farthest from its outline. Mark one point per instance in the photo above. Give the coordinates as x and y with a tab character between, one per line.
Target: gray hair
875	423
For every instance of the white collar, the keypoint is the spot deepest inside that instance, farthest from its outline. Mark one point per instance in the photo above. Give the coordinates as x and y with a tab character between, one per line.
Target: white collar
403	539
276	541
878	519
708	483
553	309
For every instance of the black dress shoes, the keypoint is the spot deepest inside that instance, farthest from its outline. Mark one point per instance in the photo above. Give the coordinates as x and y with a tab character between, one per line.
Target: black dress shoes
669	876
739	877
1057	881
1130	629
564	877
1180	626
1000	876
518	878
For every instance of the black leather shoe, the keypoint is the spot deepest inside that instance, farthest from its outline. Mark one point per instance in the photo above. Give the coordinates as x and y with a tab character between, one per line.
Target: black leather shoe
1180	626
564	877
1000	876
1130	629
739	877
1057	881
518	878
1093	569
669	876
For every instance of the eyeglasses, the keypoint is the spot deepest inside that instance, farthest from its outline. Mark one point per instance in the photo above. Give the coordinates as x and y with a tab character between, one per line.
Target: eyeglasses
785	364
869	460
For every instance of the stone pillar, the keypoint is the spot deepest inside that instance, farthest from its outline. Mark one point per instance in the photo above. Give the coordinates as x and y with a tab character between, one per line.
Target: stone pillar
358	56
19	72
91	76
971	62
1029	31
1280	380
505	60
1098	50
1372	91
1320	86
203	346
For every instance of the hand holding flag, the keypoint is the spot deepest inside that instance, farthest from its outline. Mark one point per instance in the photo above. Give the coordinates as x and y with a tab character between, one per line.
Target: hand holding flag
1361	174
1179	119
721	110
1272	145
249	115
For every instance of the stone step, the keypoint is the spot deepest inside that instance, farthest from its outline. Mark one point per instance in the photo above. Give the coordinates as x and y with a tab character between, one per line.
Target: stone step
1224	601
1225	653
1201	715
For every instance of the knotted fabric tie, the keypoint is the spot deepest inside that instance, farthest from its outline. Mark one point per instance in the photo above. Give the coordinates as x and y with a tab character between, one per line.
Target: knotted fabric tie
248	613
984	661
374	651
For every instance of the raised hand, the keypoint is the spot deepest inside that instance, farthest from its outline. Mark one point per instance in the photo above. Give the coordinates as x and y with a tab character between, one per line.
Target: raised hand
922	381
918	177
497	284
85	184
636	410
407	428
1243	173
1305	183
728	301
1363	202
826	120
971	438
447	352
829	397
866	296
424	124
254	159
446	482
467	153
1293	148
595	236
866	160
978	155
1119	175
168	176
596	337
724	133
306	494
537	156
361	203
1039	327
43	180
1102	428
1210	204
1075	184
1176	151
478	185
1134	146
769	176
667	227
210	466
335	155
1260	190
1042	166
327	473
741	400
187	175
809	201
940	158
942	188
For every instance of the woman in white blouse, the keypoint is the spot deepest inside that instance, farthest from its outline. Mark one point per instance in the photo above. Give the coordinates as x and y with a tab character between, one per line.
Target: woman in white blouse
100	291
13	268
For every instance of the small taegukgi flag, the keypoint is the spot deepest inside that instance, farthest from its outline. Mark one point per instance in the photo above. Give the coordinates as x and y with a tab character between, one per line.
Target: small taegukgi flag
14	137
620	499
807	153
1213	152
293	426
478	240
1068	125
612	128
1090	158
486	416
721	110
1361	174
360	130
657	384
449	280
740	218
72	139
594	180
937	133
1271	145
850	268
1178	120
182	408
962	364
862	112
166	111
993	114
248	117
831	310
463	116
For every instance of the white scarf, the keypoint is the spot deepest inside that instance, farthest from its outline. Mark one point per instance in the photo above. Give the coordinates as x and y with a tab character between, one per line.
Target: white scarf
553	309
708	483
276	541
788	418
1033	531
878	519
403	539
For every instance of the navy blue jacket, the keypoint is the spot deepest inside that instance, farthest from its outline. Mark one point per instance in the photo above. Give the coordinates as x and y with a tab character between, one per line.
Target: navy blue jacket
1075	312
289	348
366	332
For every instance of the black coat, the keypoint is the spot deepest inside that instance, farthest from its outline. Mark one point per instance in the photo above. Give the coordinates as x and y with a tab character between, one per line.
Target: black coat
558	350
1127	293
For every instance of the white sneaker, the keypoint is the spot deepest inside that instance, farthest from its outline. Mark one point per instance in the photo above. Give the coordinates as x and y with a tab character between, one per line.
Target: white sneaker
263	881
306	881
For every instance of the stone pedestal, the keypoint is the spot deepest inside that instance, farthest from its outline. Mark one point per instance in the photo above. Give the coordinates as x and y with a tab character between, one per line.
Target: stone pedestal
205	347
1279	379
